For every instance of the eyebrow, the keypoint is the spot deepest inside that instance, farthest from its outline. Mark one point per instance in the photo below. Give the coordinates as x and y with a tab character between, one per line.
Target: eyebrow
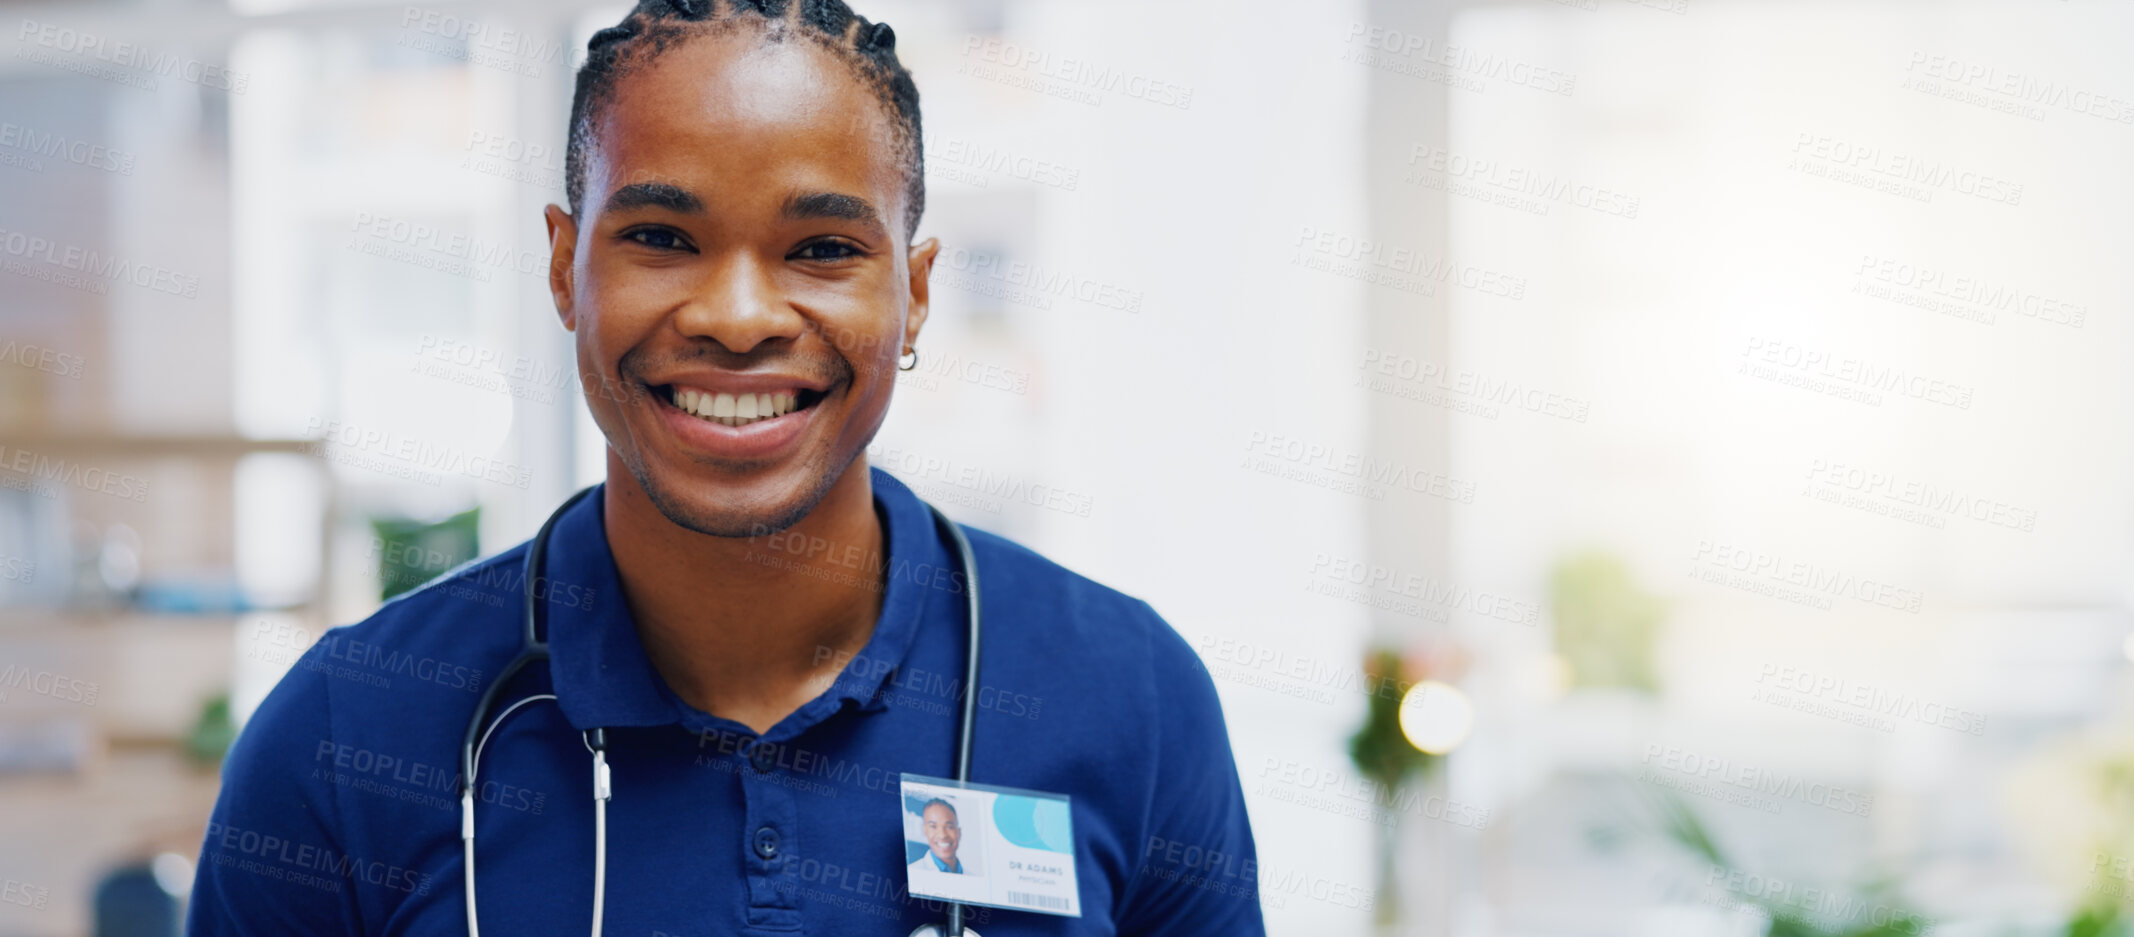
833	205
799	206
655	195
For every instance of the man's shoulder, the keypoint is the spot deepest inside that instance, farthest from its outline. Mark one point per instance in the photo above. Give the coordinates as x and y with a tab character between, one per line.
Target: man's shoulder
1007	567
440	642
1081	614
471	611
484	587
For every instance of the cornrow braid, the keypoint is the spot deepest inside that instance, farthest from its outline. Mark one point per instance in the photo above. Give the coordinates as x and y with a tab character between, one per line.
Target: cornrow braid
656	26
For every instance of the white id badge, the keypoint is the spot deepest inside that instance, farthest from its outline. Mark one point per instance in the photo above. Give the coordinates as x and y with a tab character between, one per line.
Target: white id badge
1002	847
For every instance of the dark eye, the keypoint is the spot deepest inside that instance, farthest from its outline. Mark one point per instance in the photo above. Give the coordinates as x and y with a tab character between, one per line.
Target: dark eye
663	239
826	250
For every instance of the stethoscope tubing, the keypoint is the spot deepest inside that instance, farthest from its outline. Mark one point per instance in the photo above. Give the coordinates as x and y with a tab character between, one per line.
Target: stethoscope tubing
970	678
535	649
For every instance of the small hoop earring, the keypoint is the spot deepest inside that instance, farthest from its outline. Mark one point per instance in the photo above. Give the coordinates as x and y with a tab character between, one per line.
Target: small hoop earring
905	365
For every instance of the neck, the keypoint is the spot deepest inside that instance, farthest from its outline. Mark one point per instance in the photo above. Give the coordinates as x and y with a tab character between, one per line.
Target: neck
748	628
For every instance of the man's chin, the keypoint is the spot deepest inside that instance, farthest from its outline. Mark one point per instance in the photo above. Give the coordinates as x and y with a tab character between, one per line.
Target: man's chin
740	514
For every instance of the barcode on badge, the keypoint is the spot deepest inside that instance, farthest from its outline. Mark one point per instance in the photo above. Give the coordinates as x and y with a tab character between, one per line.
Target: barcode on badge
1038	901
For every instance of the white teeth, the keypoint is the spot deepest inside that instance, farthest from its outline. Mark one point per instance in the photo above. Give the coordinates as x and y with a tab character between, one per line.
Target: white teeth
735	409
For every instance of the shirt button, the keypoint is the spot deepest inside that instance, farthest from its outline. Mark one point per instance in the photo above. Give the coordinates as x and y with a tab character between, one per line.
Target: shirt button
763	758
767	843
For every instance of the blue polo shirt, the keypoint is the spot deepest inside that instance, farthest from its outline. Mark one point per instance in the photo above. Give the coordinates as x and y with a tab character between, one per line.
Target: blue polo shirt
339	811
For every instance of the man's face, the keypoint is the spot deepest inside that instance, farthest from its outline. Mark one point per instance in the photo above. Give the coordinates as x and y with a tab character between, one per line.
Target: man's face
738	279
942	833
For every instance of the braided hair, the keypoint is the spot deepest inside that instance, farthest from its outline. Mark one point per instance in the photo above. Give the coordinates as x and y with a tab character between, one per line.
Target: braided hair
656	26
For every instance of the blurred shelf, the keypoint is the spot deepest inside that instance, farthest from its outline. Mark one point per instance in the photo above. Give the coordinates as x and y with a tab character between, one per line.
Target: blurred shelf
137	678
203	446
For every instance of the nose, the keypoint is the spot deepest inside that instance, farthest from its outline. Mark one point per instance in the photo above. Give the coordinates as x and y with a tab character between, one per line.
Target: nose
739	305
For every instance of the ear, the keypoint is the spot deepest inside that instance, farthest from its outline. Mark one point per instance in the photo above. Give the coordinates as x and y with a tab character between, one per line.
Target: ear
562	260
921	261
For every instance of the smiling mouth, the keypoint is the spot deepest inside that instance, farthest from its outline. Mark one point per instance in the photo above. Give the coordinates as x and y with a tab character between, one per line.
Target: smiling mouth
738	409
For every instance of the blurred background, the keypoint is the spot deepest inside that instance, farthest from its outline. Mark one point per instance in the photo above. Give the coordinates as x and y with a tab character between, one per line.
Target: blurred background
1649	467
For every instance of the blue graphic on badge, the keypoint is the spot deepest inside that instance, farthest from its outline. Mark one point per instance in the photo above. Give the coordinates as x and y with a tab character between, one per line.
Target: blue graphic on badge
1035	822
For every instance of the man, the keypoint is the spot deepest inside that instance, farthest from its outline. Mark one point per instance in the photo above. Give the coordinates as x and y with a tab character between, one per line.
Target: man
937	821
759	631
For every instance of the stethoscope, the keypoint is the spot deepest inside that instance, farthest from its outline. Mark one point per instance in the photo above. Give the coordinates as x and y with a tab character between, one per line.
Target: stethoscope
535	648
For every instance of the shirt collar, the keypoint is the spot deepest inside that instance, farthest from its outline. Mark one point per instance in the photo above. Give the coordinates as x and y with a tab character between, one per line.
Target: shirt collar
603	679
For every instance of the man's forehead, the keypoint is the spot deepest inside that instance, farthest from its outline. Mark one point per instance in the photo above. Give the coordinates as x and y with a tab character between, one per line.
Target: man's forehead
734	105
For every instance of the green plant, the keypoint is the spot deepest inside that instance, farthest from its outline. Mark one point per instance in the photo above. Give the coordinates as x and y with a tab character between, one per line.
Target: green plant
1380	750
2097	920
1892	919
1384	755
412	552
212	732
1606	624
